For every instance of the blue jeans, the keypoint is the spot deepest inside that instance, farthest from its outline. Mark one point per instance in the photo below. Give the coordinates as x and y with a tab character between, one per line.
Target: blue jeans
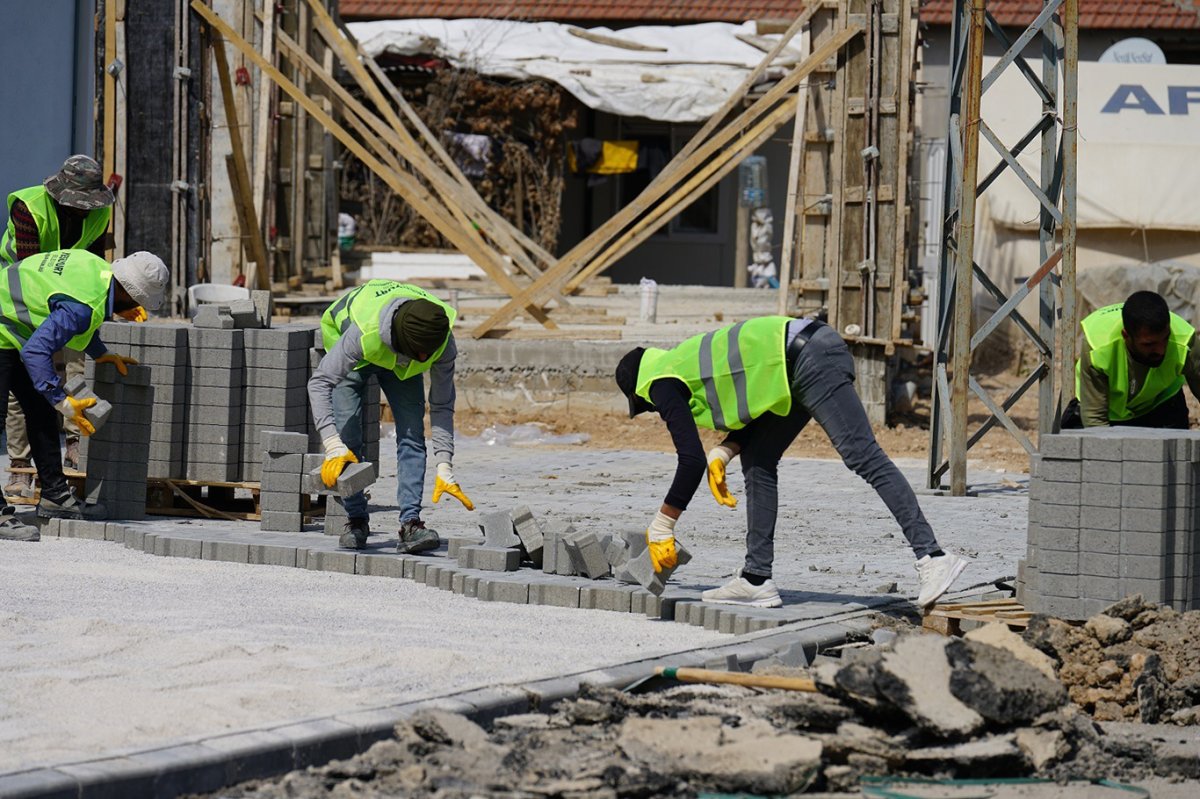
407	401
822	383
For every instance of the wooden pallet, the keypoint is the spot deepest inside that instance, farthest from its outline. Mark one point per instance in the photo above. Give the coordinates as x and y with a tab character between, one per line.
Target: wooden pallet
214	500
74	477
947	618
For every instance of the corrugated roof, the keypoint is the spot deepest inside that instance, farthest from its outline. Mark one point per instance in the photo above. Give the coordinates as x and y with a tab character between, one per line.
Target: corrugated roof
1107	14
576	10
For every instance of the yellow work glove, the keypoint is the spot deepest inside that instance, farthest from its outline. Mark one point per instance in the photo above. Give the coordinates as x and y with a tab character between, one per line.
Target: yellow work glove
660	539
446	484
137	314
119	361
337	455
73	409
718	459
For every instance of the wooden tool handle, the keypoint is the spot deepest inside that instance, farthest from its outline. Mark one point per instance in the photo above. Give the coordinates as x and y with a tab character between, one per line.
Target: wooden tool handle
737	678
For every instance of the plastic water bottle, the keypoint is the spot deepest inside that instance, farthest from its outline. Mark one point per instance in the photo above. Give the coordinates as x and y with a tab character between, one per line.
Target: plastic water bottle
649	312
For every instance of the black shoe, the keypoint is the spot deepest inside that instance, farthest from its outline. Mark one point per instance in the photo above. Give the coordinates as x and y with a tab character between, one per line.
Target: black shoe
67	506
354	534
415	538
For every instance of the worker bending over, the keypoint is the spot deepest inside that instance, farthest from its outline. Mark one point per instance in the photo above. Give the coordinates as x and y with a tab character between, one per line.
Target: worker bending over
762	381
70	210
1135	359
395	333
47	302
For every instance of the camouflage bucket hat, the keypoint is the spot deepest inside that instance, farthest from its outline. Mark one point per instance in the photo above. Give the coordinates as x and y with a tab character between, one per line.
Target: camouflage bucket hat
79	184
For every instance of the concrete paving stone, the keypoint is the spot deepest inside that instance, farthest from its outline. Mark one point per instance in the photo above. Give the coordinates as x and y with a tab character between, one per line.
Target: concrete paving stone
278	416
1142	520
1050	515
1140	473
227	472
493	590
433	573
617	598
379	565
262	384
471	585
1145	567
498	530
1104	542
1065	446
279	443
1062	607
182	769
1095	587
277	359
711	616
1151	590
418	572
1107	472
554	594
454	542
227	551
114	532
148	542
279	501
1154	449
1061	471
42	783
529	531
1096	518
215	317
489	558
1064	539
136	374
1094	564
1098	495
1145	496
728	662
587	556
114	777
326	561
272	555
296	336
275	463
282	522
280	483
1057	584
257	754
135	539
210	443
318	741
355	477
1057	493
166	546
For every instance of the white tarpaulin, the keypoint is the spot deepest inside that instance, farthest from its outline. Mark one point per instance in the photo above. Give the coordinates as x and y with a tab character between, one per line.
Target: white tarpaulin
687	80
1139	146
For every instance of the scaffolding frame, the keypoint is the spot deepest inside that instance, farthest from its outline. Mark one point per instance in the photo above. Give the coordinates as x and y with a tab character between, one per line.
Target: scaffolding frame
1054	188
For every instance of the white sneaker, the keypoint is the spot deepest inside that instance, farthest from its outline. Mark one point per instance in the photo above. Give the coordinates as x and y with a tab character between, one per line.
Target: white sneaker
740	591
937	575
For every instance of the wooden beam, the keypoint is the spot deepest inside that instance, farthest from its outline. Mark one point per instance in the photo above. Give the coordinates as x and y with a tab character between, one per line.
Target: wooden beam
110	97
404	185
252	241
552	278
613	41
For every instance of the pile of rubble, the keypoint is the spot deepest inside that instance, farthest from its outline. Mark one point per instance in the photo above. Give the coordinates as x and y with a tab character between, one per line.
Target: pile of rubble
1136	661
983	706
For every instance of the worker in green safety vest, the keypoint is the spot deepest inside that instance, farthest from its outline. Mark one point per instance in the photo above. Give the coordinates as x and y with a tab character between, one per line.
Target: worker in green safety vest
395	333
1135	358
71	209
47	302
760	381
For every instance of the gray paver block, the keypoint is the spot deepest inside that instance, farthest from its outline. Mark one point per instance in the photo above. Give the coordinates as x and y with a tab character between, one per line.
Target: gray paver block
325	561
165	546
1051	515
279	501
227	551
1093	587
529	530
280	482
1063	446
1145	473
1108	472
498	530
1144	567
354	478
617	553
606	597
587	556
1053	470
1095	564
455	542
559	595
1061	538
1152	449
490	590
1144	496
1107	542
1098	495
1057	493
1096	518
99	413
282	521
489	558
1151	590
1143	520
1055	584
285	443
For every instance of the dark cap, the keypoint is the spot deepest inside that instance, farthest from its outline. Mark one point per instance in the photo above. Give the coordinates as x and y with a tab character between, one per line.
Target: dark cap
419	327
627	374
79	184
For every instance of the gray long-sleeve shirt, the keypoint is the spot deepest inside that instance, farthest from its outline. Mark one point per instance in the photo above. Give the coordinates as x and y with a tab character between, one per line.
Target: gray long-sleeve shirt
348	353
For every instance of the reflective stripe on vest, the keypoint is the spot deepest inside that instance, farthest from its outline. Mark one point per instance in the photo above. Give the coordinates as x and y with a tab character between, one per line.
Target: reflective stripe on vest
734	374
30	284
362	307
41	207
1110	356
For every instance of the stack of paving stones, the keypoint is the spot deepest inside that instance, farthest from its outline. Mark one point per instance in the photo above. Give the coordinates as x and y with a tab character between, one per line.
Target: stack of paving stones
276	397
115	457
216	387
282	477
1112	513
163	349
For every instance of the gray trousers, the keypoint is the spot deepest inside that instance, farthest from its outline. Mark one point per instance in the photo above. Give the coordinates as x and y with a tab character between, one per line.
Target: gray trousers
822	383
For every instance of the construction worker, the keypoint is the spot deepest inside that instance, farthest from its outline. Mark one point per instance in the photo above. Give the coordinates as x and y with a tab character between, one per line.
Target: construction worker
71	209
395	333
47	302
1135	358
762	380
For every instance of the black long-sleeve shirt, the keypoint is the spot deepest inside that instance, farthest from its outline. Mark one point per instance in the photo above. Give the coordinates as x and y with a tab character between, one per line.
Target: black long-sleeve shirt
670	398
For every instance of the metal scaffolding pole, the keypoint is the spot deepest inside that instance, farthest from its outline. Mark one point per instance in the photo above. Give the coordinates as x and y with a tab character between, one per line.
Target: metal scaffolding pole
958	275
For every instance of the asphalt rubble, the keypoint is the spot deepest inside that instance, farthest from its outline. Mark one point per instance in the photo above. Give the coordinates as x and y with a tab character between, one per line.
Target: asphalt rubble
991	704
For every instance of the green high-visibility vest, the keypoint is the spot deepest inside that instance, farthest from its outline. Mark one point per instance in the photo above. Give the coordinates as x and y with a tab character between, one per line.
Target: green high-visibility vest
30	284
1103	329
735	374
362	307
41	206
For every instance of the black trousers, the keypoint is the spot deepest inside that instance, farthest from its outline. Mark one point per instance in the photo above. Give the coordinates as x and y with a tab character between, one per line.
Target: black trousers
1171	415
41	422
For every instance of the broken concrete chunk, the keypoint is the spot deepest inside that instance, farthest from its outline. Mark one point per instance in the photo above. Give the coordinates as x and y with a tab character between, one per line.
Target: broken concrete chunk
999	635
355	477
264	306
914	676
997	686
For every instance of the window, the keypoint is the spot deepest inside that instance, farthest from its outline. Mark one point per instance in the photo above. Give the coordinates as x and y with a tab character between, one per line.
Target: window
656	147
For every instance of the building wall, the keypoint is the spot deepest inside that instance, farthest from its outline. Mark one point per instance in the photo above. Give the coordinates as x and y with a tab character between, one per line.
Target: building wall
47	59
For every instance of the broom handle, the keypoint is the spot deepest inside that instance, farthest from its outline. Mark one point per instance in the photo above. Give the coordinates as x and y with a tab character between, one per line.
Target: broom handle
736	678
